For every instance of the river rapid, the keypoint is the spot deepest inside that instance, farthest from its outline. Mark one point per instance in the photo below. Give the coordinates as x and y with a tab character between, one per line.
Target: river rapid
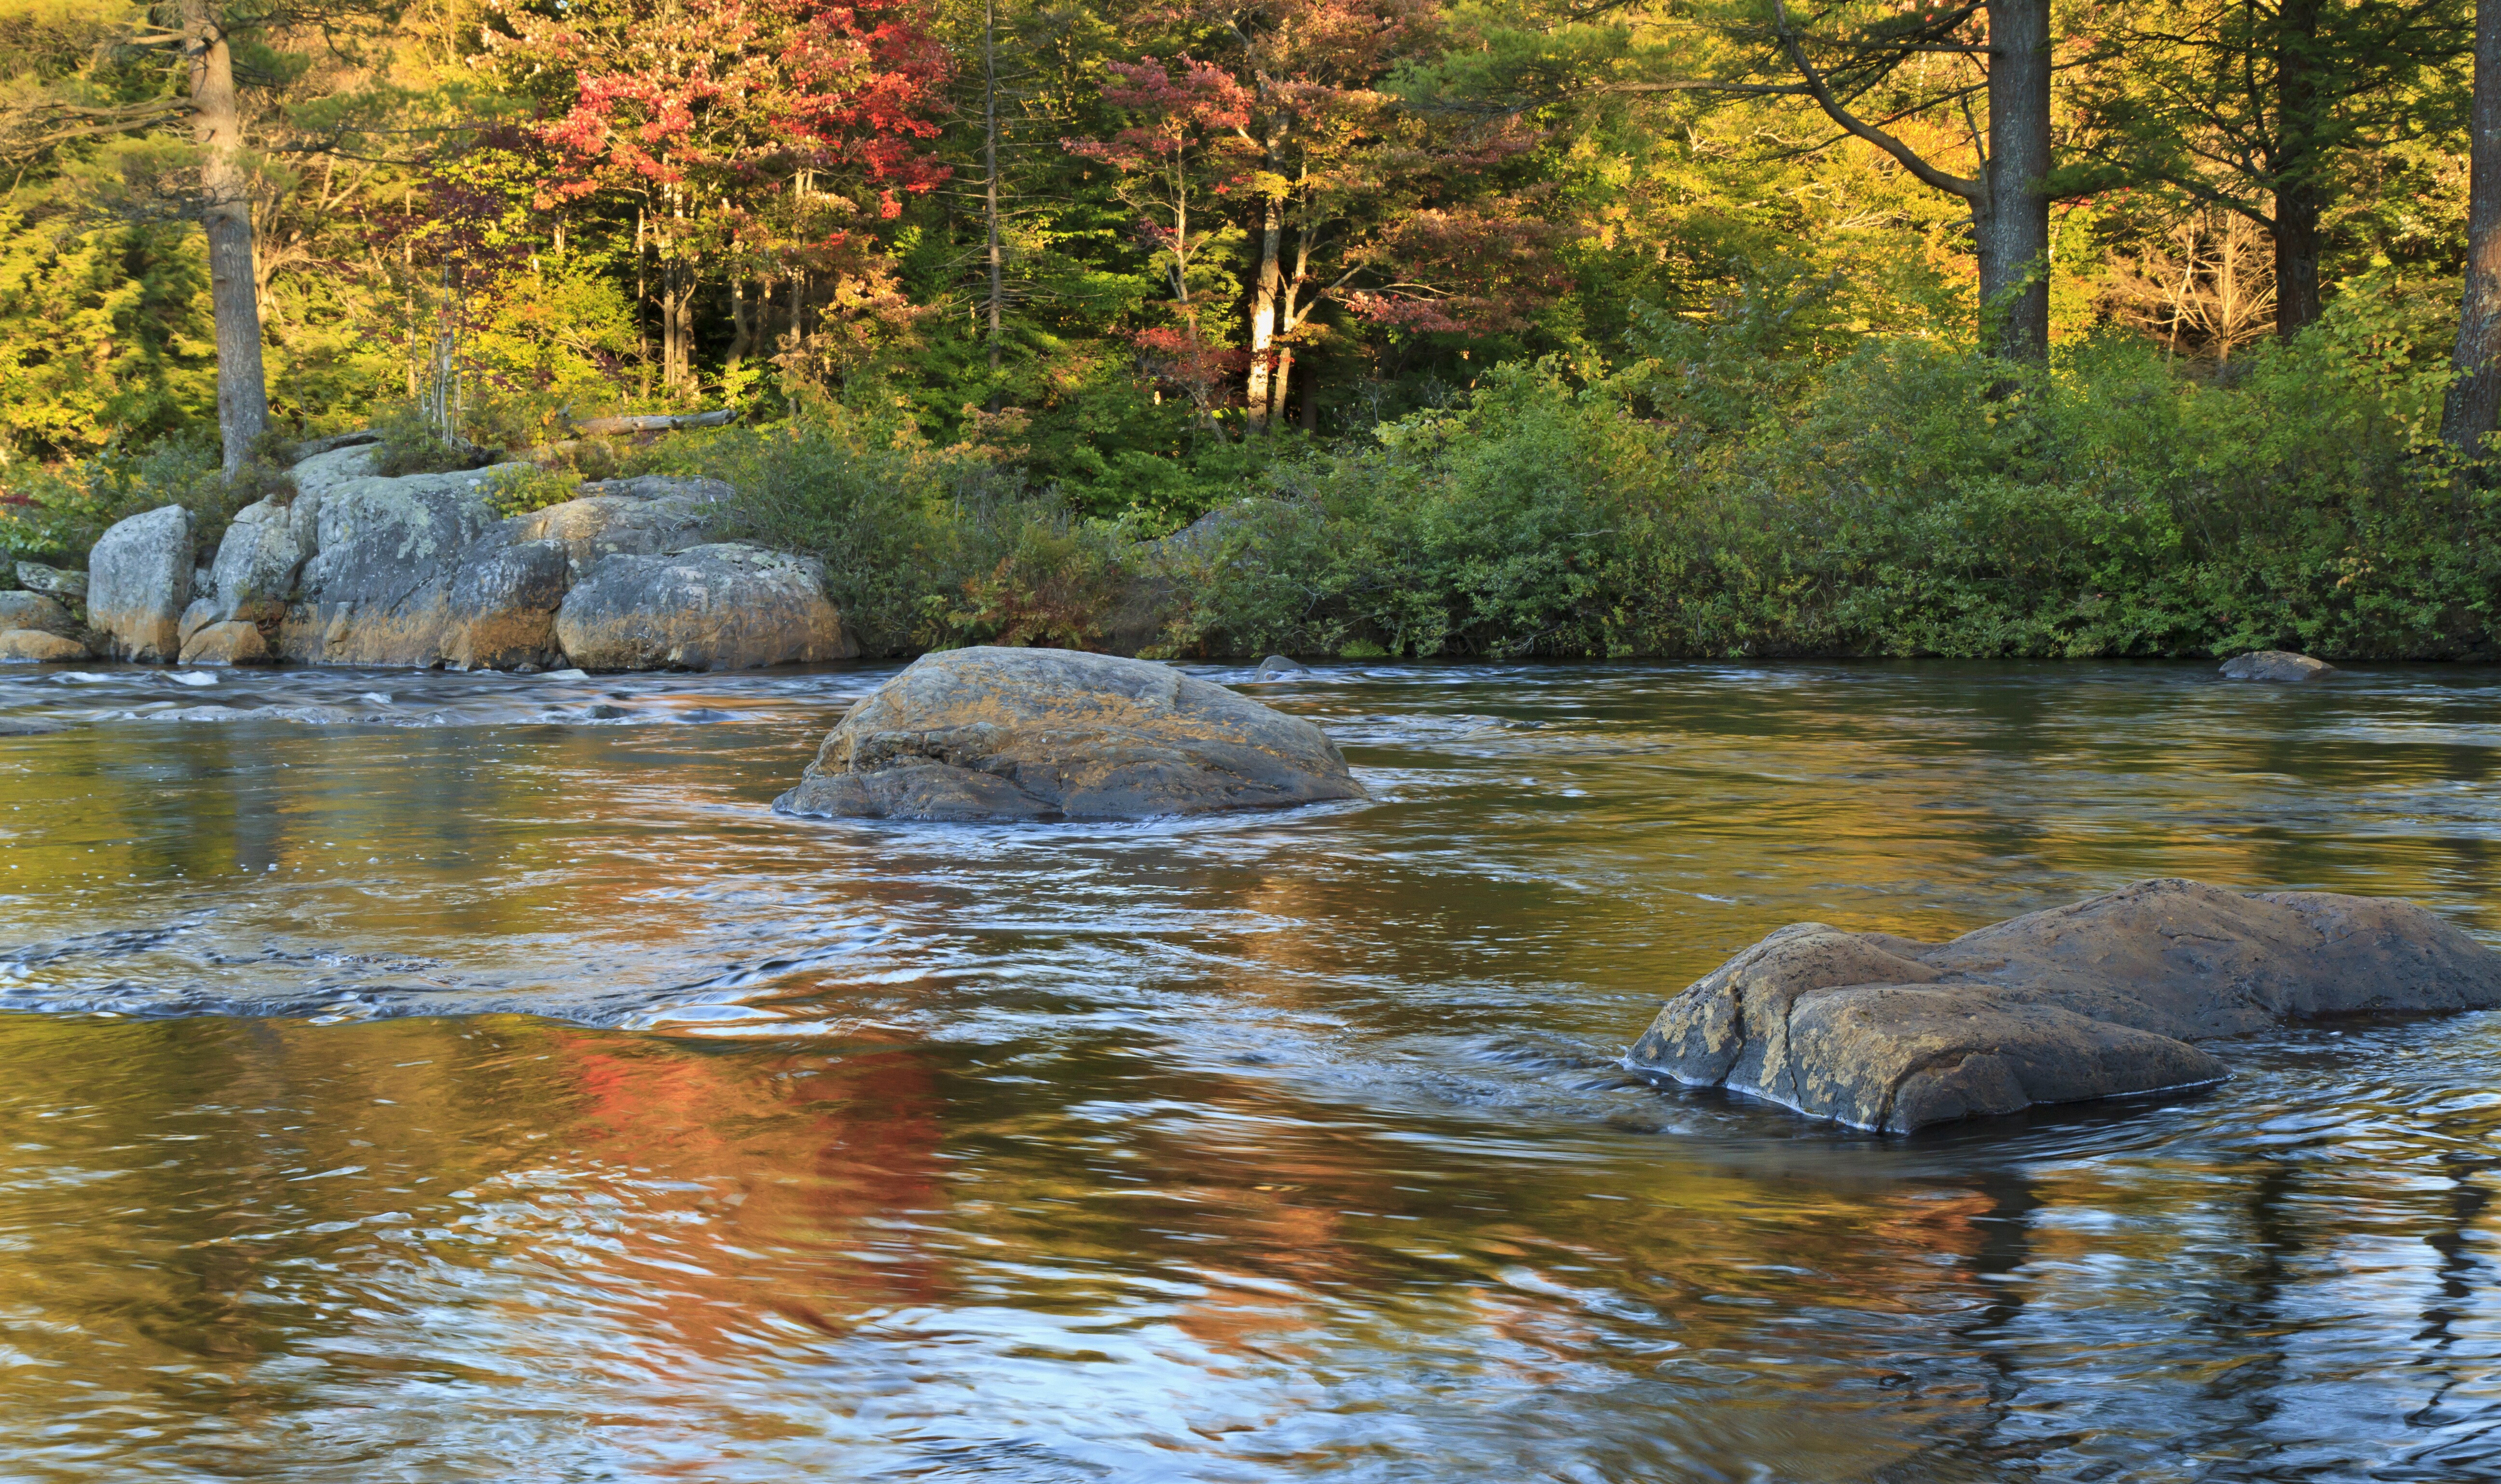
424	1076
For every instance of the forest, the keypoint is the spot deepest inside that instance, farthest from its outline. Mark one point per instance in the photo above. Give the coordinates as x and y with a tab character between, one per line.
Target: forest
1502	327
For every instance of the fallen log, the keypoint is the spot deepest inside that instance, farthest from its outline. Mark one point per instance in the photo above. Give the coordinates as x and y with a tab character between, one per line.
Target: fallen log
658	422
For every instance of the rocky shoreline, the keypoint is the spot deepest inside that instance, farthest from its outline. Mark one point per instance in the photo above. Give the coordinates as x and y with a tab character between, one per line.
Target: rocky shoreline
359	569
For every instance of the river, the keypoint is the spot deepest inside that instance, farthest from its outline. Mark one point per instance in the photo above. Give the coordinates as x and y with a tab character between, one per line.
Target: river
424	1076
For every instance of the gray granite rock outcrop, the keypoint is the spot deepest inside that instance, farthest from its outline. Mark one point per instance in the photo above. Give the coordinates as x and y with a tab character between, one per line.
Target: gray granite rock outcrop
2095	1000
719	606
420	570
69	588
138	582
1032	734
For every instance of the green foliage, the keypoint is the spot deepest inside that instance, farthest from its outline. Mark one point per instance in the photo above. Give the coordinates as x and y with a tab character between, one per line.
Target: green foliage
1910	499
56	515
923	546
521	488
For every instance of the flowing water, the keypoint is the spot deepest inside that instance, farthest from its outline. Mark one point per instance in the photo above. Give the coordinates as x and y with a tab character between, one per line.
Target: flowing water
411	1077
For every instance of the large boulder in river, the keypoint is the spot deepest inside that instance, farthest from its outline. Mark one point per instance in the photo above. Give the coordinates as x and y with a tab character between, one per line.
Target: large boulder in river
1028	733
721	606
504	600
378	589
2278	665
2091	1000
138	582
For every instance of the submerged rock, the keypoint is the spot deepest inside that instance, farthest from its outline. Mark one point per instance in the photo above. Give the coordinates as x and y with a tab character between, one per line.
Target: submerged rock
723	606
2089	1001
39	647
138	582
1026	734
2275	665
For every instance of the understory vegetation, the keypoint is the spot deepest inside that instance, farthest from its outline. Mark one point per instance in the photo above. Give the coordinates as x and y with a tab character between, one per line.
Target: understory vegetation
1725	494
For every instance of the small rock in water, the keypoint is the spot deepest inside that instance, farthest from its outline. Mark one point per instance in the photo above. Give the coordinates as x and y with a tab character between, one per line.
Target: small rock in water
1276	667
605	712
2275	665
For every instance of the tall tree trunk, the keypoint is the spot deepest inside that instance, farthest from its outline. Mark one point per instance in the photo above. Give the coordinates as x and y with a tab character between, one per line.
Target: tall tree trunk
2475	397
990	178
2013	232
216	126
1267	387
2295	166
742	323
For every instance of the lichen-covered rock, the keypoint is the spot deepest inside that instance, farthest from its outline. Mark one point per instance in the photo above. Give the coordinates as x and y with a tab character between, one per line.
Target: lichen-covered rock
138	582
377	588
661	522
39	647
721	606
1028	733
502	600
263	552
2089	1001
331	468
68	588
33	610
231	643
2278	665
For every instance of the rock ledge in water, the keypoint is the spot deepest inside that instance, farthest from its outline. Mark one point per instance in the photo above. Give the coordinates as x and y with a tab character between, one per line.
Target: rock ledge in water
2089	1001
2275	665
1029	734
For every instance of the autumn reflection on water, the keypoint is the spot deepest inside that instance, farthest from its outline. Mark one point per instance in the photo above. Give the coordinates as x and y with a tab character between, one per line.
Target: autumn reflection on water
457	1085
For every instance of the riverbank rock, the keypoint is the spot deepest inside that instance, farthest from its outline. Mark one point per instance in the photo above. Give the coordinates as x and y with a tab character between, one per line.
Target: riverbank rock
2275	665
138	582
39	647
2095	1000
231	643
67	589
721	606
262	555
1030	734
34	610
376	589
643	517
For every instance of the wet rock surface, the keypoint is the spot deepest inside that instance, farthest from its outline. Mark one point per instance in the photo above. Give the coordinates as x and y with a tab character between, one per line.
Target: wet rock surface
2094	1000
2275	665
231	643
1032	734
